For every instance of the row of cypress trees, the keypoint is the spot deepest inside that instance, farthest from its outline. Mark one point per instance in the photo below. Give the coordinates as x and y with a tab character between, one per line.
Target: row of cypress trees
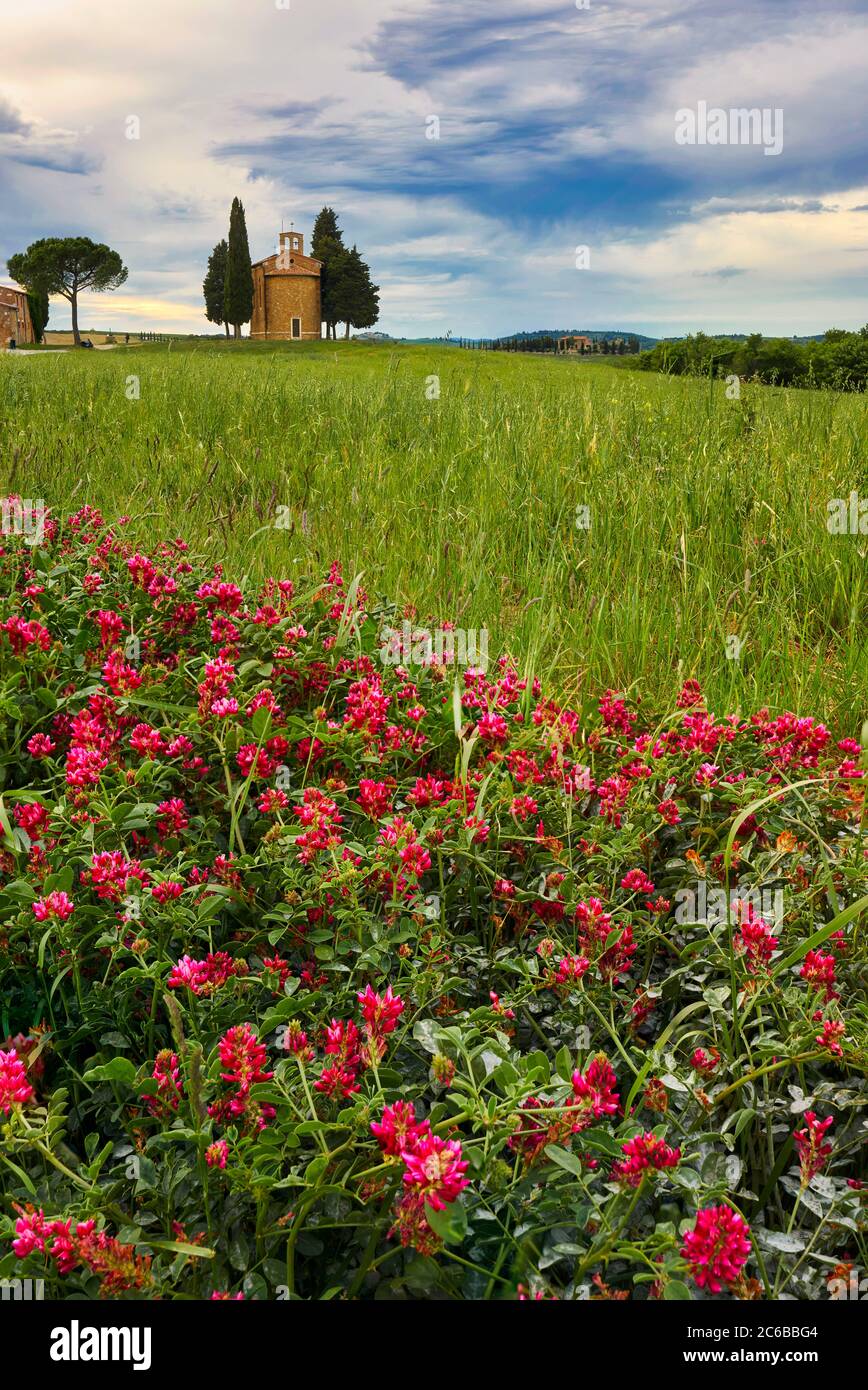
348	294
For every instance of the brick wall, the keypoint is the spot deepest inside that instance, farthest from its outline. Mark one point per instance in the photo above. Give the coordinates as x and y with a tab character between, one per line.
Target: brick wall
14	318
279	297
8	324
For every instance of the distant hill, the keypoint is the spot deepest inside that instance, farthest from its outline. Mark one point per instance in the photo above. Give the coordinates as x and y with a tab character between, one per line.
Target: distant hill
743	337
595	334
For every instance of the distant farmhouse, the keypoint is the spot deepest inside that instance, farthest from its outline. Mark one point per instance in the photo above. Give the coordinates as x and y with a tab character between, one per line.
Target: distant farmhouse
575	343
286	293
14	317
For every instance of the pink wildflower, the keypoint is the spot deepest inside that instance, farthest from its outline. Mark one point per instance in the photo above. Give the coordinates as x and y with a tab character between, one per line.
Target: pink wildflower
398	1130
435	1170
15	1089
717	1248
57	906
812	1149
645	1152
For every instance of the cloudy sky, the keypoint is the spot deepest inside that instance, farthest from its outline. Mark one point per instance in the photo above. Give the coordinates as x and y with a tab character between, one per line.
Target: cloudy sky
556	130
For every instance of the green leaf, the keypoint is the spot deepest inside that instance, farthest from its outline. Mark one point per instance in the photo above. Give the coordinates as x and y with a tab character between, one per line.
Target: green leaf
601	1140
450	1225
788	1241
261	724
565	1159
118	1069
428	1033
660	1043
239	1250
181	1247
62	880
6	825
316	1168
21	1173
675	1291
737	1121
564	1064
312	1127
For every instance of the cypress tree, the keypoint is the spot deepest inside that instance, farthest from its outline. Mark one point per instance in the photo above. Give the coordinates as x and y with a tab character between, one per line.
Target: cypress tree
327	245
37	302
213	285
238	284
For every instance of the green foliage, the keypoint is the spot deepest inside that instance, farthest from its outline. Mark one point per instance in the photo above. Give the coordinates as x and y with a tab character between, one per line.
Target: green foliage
839	361
238	278
37	301
347	292
327	245
213	286
353	298
325	230
66	266
459	837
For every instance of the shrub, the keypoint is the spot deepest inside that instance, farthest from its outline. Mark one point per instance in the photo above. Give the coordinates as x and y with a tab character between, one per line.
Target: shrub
321	976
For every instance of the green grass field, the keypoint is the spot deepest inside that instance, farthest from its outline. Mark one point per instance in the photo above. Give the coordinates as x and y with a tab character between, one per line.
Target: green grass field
707	515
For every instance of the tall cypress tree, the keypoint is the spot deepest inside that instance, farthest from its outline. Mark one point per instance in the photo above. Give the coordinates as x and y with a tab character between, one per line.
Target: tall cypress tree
37	302
238	284
327	245
213	286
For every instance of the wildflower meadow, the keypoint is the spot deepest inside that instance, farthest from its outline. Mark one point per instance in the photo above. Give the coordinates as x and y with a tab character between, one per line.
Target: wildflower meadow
336	969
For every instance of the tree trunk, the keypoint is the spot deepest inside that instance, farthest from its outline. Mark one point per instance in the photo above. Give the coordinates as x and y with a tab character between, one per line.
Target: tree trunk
226	326
347	334
76	336
237	328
